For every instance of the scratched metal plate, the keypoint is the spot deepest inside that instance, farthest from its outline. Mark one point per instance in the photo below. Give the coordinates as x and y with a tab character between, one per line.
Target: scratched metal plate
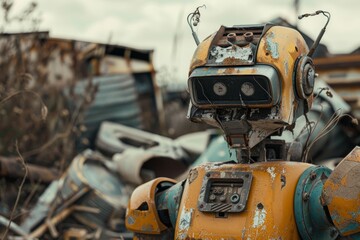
224	191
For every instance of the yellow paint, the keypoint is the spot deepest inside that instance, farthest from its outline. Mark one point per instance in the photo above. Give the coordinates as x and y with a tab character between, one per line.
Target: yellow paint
290	45
276	218
341	194
201	53
145	221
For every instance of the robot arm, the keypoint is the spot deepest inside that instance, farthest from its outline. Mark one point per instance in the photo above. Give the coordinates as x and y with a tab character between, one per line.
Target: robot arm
153	209
341	195
327	204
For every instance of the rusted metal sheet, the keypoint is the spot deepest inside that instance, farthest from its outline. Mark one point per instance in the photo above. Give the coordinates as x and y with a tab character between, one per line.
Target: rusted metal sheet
115	100
341	194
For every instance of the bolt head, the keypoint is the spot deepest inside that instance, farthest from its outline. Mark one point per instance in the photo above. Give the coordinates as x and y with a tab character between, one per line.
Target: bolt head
306	196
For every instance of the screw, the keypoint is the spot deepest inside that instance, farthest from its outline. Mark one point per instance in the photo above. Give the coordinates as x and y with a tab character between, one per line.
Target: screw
201	205
223	198
212	197
208	174
333	233
306	196
312	176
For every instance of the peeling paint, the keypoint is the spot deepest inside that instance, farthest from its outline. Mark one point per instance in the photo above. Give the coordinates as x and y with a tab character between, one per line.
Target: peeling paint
286	68
185	219
271	170
259	218
233	52
193	174
272	46
130	220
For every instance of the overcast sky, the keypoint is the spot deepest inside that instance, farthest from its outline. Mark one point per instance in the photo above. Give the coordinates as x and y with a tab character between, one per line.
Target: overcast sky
153	24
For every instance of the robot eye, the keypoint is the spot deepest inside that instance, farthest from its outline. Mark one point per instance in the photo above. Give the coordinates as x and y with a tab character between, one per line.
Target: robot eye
220	89
248	89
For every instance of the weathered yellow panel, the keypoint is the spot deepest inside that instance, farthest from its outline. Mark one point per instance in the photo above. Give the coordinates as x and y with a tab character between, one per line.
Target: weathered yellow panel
281	47
269	212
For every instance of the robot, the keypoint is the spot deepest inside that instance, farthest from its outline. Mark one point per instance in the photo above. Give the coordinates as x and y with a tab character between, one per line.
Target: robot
252	82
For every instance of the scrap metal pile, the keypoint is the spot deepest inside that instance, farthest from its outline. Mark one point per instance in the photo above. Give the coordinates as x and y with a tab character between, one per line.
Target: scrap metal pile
54	95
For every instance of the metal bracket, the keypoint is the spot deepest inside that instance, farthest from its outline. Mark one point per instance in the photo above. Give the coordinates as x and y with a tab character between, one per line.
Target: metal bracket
224	191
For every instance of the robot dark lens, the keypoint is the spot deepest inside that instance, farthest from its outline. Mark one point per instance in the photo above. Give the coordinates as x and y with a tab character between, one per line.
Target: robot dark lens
219	89
231	90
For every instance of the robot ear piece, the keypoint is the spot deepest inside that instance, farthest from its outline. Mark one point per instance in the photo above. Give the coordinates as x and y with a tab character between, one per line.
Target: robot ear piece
304	77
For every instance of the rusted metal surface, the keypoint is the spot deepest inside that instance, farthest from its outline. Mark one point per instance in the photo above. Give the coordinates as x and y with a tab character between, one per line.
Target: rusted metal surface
291	48
13	168
264	216
224	85
225	192
341	194
218	49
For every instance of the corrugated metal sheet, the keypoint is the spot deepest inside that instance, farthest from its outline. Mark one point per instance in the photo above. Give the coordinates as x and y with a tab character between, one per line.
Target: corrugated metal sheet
127	91
116	101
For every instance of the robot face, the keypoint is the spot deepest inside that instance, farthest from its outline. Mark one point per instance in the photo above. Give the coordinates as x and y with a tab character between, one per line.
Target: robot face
252	81
247	87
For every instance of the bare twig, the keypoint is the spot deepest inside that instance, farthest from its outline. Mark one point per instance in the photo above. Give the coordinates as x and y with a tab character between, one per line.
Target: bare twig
19	191
44	110
21	92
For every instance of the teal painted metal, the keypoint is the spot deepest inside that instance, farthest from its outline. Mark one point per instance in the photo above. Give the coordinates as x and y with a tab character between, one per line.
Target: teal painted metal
311	219
168	202
218	151
354	237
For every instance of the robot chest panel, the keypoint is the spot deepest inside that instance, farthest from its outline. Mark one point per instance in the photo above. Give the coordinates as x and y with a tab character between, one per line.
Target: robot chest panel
235	201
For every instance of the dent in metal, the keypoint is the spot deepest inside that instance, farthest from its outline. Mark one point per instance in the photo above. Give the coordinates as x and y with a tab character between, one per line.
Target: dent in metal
271	46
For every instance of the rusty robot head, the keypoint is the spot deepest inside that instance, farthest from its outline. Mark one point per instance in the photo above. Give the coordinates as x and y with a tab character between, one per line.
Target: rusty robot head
251	82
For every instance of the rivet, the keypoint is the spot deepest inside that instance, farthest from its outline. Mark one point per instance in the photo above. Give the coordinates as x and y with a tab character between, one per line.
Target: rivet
306	196
312	176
